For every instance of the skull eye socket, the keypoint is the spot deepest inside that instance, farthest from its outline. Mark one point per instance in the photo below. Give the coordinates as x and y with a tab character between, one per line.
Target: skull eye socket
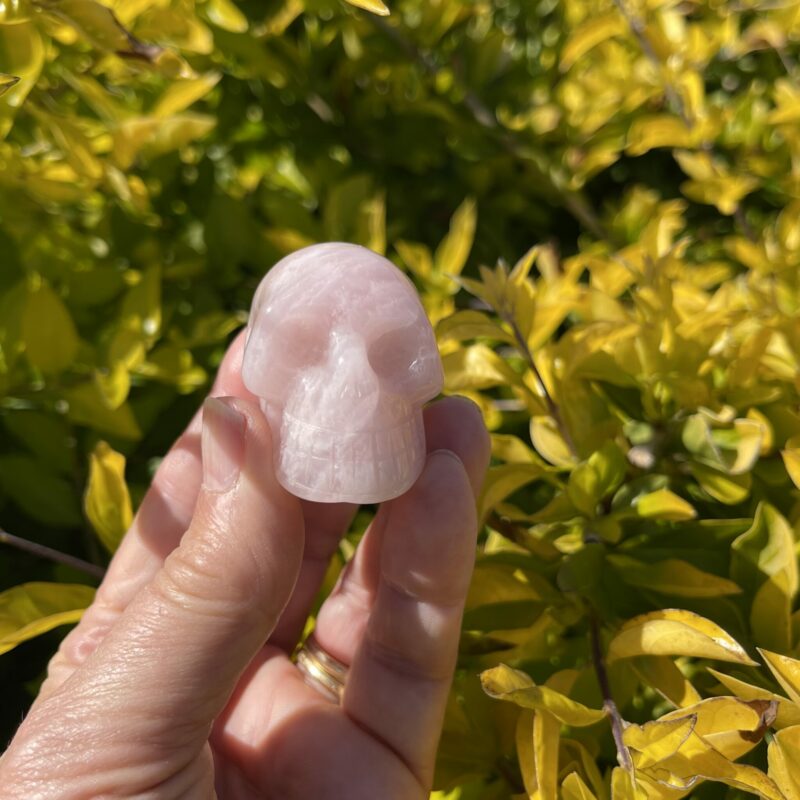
394	355
301	342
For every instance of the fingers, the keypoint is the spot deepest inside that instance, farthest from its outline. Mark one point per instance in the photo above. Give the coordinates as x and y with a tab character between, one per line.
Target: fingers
400	676
162	518
172	660
455	424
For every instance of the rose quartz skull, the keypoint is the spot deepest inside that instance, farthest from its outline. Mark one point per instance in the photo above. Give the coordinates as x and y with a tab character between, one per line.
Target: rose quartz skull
343	357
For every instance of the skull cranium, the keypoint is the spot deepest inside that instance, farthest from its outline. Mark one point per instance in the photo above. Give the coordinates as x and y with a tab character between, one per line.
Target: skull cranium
342	355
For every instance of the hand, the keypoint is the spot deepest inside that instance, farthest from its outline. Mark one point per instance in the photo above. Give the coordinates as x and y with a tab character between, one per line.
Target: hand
178	680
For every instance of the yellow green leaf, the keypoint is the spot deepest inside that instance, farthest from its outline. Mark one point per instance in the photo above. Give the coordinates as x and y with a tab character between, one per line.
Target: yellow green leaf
788	712
654	741
728	489
503	480
664	504
99	24
732	726
22	54
7	82
513	686
662	130
375	6
672	576
675	632
784	761
48	332
697	758
226	15
597	29
416	257
476	367
107	502
666	678
549	442
465	325
574	788
452	253
786	671
791	459
181	94
31	609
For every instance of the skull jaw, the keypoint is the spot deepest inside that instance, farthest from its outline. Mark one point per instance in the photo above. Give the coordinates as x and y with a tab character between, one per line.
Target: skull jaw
335	466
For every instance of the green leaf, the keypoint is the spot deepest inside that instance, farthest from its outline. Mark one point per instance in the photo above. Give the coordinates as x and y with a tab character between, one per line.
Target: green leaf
106	501
596	478
513	686
48	332
30	609
763	561
672	576
87	405
664	504
597	29
44	496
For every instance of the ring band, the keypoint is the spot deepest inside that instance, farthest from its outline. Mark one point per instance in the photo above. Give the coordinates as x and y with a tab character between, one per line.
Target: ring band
321	670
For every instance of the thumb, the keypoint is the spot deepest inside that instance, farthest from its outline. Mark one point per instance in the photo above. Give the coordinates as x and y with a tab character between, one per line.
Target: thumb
169	665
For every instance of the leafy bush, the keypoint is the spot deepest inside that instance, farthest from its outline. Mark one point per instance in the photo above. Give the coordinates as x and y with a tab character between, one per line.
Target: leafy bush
631	630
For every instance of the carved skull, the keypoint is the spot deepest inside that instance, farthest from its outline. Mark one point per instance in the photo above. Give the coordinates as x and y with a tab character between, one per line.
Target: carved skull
342	355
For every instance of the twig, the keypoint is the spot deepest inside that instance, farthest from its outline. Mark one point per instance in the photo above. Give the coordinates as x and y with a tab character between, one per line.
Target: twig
638	29
617	725
552	409
52	555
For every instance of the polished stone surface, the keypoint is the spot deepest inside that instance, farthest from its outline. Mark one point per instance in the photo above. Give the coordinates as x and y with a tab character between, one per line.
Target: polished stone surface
342	355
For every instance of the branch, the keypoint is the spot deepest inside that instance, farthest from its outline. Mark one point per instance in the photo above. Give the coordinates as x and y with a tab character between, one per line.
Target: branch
617	724
552	409
638	30
42	551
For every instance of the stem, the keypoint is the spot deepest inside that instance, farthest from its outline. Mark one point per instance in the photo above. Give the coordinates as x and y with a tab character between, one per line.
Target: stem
42	551
638	30
617	725
552	409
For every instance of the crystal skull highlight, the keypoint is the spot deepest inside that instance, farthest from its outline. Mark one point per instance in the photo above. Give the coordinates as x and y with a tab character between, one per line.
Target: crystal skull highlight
342	355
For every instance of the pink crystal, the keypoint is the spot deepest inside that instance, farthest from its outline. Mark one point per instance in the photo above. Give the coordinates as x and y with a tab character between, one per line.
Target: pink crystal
342	355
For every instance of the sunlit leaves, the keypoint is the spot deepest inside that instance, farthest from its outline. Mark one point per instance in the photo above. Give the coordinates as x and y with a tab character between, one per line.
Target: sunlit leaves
516	687
374	6
47	330
676	632
106	501
31	609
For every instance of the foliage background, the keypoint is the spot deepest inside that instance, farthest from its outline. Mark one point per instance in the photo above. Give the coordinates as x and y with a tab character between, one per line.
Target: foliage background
638	367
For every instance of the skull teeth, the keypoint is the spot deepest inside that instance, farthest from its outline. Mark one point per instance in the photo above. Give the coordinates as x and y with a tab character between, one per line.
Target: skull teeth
321	464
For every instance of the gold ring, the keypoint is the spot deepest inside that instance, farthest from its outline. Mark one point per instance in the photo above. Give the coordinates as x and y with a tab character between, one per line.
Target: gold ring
321	670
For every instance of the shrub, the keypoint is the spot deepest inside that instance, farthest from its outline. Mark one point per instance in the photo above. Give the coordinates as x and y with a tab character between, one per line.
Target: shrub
631	629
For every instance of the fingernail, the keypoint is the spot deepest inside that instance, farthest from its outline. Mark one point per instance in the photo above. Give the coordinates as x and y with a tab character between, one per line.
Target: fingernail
222	445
